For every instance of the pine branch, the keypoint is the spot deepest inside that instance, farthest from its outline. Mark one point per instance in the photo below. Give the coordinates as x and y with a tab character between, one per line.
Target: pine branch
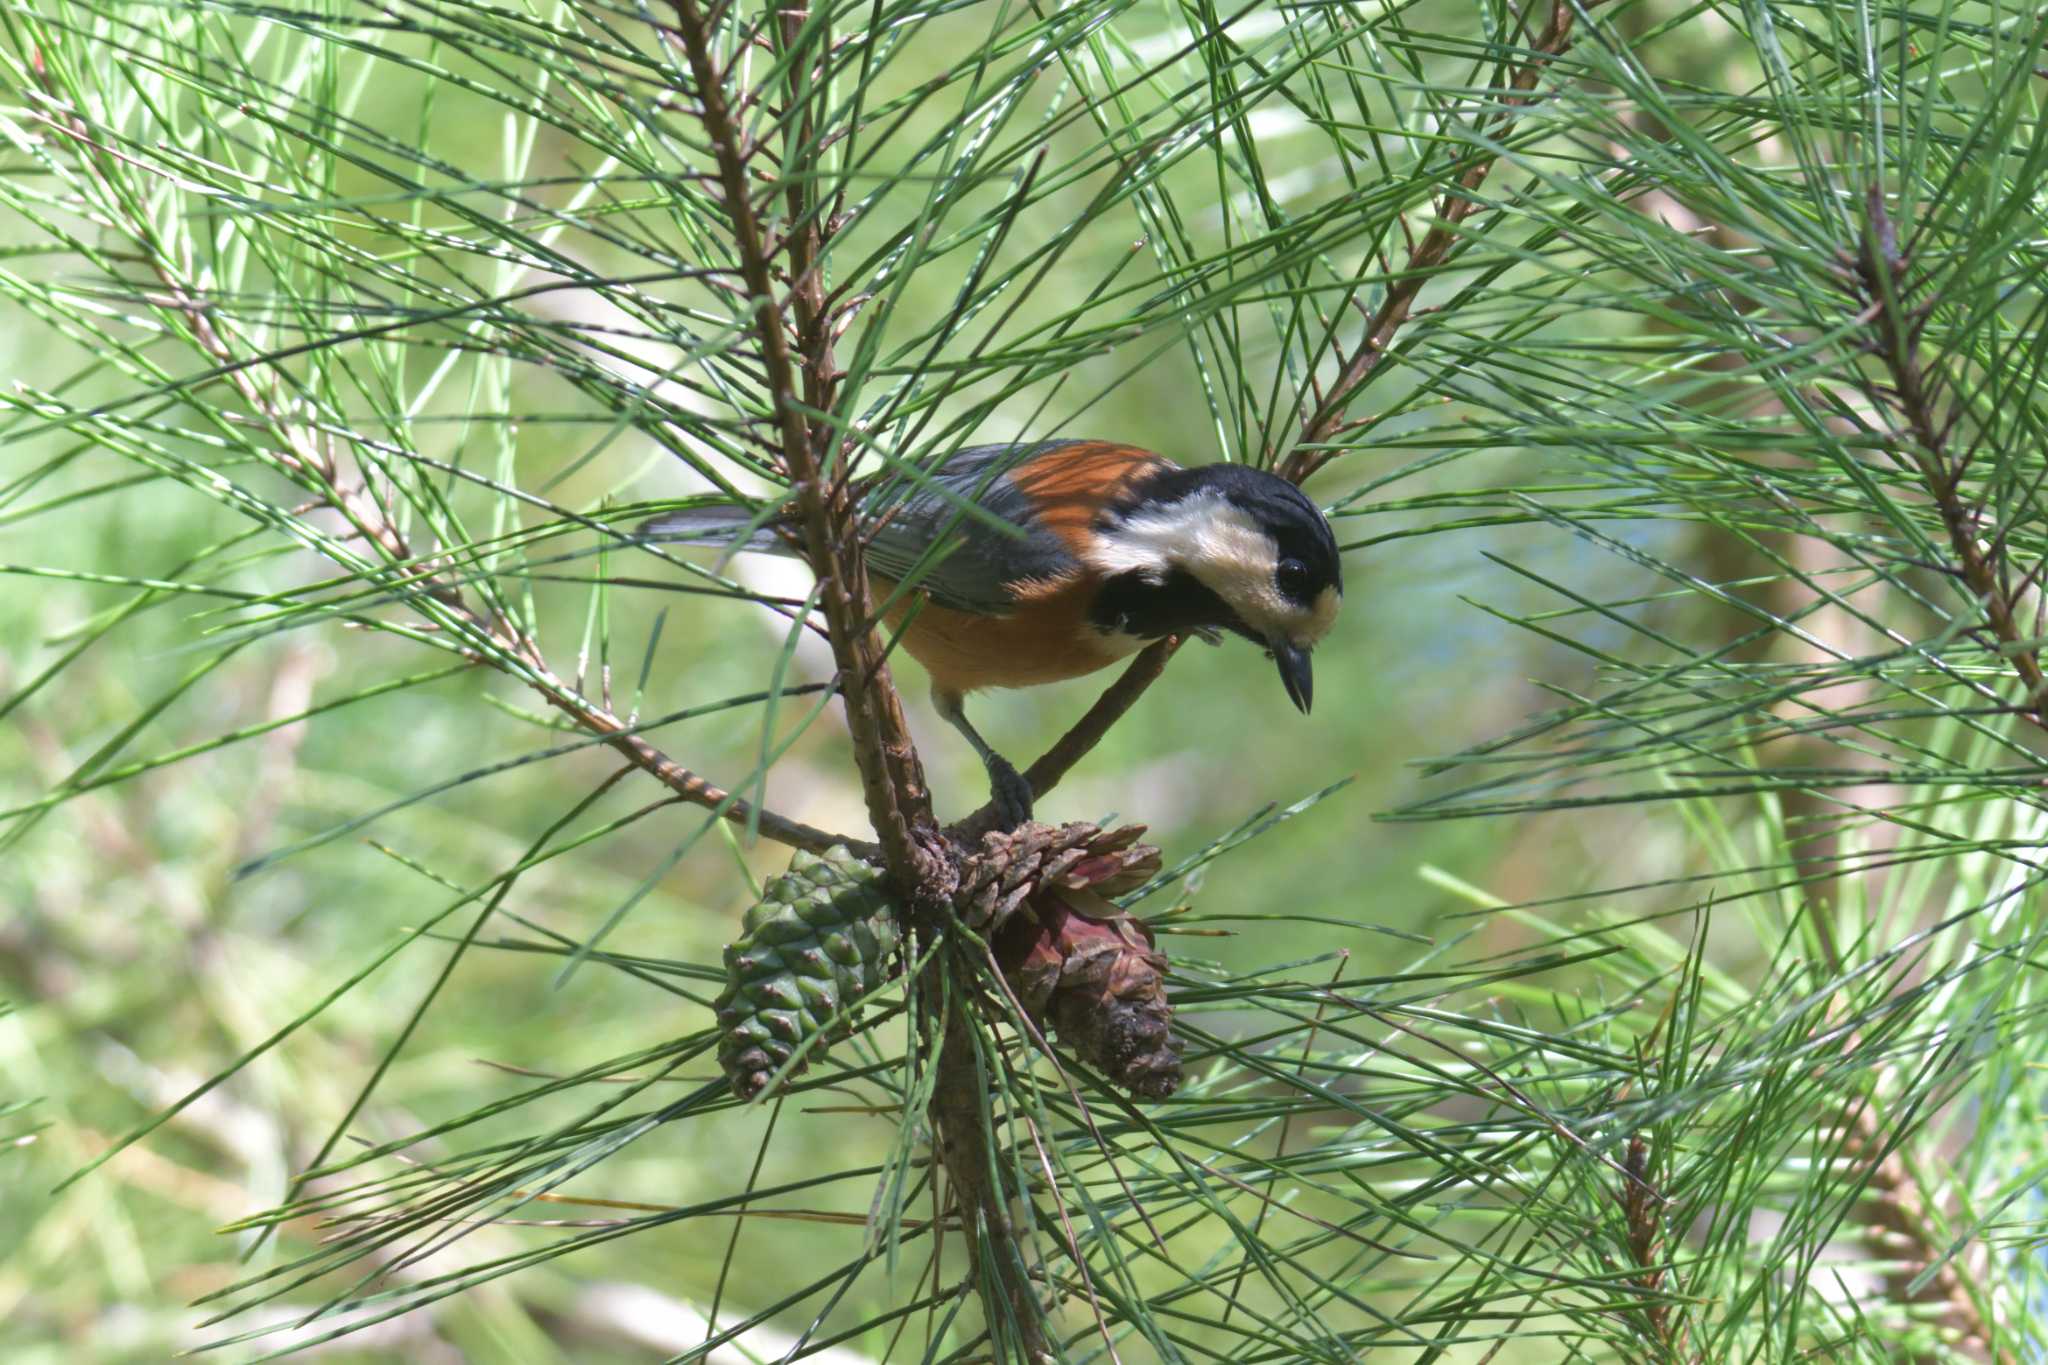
918	858
495	638
1312	449
1881	273
892	778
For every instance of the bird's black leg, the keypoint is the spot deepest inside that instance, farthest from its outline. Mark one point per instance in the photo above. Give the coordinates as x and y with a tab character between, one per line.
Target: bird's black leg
1007	787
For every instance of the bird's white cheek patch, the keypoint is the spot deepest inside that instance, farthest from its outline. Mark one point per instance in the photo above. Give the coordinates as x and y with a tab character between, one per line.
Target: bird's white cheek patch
1184	534
1209	537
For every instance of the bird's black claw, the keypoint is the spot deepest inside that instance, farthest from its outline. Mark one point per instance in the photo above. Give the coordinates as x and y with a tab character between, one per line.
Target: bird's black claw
1011	793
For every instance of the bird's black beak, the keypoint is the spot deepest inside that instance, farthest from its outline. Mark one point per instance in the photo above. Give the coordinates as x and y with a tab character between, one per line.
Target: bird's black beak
1295	673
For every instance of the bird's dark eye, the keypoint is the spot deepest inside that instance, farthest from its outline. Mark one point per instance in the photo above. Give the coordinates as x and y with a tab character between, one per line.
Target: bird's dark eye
1295	579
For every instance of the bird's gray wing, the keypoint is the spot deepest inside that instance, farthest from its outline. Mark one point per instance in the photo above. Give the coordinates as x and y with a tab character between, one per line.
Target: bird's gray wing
985	550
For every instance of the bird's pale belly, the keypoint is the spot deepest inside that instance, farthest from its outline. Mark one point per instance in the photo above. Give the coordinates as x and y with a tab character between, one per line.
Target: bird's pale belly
1047	640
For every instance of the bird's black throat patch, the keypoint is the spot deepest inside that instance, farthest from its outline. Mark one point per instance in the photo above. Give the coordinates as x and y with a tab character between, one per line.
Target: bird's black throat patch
1137	604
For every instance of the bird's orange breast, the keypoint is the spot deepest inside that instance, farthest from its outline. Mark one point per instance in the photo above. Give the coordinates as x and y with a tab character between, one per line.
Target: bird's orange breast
1045	636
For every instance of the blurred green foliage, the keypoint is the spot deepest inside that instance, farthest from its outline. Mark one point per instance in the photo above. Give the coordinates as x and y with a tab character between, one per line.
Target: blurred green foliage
153	936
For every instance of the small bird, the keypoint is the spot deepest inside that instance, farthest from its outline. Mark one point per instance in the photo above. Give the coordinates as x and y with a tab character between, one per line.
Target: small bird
1035	563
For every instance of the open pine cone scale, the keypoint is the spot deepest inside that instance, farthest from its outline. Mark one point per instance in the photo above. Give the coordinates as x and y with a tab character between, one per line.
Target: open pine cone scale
1075	958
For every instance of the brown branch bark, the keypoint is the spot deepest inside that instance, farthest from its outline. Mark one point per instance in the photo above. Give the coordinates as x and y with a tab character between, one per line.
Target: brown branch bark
1881	272
892	778
917	856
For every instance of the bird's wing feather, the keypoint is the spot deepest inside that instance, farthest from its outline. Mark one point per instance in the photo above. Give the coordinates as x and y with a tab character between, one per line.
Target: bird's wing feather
988	533
981	561
727	525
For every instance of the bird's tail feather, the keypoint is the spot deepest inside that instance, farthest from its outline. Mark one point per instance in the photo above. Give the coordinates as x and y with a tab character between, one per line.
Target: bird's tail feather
728	525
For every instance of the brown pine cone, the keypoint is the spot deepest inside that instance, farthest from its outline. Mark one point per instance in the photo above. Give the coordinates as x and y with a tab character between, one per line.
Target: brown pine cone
1010	867
1075	959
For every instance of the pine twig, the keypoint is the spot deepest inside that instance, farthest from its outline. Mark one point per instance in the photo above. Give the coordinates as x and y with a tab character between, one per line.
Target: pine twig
1326	420
1085	734
601	720
892	778
301	453
1643	1218
1881	273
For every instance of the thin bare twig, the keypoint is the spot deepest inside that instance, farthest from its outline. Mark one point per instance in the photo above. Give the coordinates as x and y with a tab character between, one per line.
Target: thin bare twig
600	720
1086	733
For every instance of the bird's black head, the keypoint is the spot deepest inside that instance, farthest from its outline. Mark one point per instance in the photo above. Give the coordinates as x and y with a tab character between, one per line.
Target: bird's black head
1257	547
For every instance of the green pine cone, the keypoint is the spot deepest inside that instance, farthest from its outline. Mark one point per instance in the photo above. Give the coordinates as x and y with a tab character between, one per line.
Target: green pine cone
822	937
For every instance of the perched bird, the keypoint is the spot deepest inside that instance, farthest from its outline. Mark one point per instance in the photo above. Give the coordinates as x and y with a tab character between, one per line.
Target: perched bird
1031	564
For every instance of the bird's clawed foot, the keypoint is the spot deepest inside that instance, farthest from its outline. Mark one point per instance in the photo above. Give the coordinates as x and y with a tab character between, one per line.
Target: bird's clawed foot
1010	791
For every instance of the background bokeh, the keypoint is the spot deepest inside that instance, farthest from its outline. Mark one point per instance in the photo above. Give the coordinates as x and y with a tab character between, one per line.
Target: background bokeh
145	953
